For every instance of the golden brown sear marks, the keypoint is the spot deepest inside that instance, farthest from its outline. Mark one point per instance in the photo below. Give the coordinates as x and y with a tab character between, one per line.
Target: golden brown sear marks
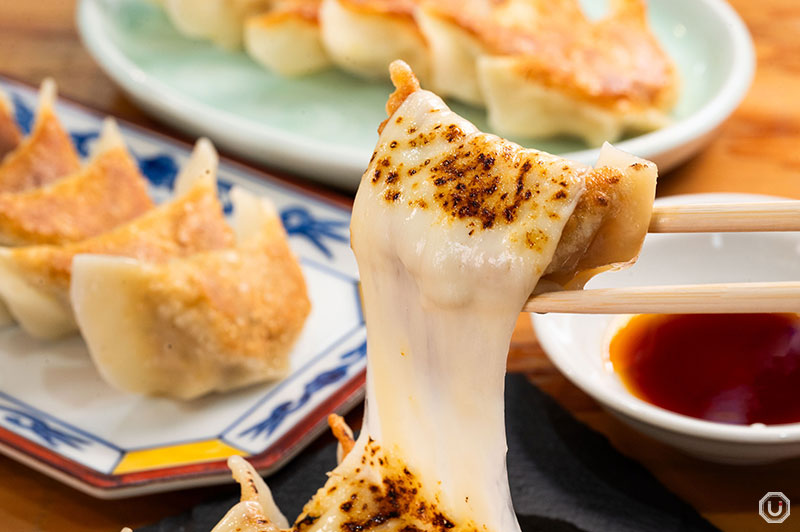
45	156
106	193
397	501
192	224
287	10
402	8
342	433
442	163
405	82
10	135
613	62
249	302
477	179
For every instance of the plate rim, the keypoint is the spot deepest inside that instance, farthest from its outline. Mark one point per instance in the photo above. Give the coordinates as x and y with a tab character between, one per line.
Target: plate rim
339	166
200	473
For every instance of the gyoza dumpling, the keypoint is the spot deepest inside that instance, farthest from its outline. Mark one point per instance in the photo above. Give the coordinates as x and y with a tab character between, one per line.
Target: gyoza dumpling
212	321
287	38
614	199
256	510
452	229
364	36
10	135
34	280
607	229
218	20
454	46
106	192
543	68
45	155
609	77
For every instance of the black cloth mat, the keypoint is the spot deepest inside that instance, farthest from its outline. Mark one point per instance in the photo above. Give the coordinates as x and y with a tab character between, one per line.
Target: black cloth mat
564	477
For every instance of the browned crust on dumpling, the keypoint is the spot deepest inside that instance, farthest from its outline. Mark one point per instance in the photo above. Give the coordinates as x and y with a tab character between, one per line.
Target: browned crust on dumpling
46	155
10	135
233	306
307	10
108	192
249	516
614	65
191	224
615	62
342	433
498	27
397	502
405	83
395	8
606	229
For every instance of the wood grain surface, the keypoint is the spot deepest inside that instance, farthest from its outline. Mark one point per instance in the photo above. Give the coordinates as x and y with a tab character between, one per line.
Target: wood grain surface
757	151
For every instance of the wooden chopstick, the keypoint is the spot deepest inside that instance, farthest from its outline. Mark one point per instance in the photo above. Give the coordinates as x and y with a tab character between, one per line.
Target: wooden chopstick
726	217
677	299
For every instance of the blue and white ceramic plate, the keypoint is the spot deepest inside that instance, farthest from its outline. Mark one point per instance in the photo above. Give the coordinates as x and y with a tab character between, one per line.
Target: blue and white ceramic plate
58	416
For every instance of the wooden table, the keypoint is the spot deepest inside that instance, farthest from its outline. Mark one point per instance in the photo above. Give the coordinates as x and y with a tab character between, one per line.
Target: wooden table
757	150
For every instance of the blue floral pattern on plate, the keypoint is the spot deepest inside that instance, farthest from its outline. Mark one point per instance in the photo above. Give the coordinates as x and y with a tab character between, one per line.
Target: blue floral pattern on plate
51	396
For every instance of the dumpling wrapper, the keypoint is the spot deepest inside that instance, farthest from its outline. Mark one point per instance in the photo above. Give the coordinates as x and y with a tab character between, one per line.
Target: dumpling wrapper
613	78
213	321
543	68
45	155
452	230
364	36
35	280
287	38
108	191
607	229
220	21
257	509
10	135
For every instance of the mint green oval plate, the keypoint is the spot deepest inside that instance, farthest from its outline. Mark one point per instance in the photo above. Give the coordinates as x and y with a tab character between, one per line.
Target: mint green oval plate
323	126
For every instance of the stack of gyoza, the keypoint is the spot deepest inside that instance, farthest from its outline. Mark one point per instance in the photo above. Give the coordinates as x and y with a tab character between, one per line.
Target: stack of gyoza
170	299
541	68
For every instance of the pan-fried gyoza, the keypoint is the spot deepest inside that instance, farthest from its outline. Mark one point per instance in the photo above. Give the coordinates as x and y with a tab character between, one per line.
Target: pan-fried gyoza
35	280
108	191
213	320
10	135
541	68
197	305
217	20
287	38
42	157
544	68
453	229
364	36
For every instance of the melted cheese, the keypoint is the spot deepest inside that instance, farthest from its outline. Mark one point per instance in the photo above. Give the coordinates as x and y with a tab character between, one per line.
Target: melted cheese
445	265
452	230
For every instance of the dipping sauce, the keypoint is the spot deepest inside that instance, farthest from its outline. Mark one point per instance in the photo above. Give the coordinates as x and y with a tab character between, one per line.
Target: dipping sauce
729	368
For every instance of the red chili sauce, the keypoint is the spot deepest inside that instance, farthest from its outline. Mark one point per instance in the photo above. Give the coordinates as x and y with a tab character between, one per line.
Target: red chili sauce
730	368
